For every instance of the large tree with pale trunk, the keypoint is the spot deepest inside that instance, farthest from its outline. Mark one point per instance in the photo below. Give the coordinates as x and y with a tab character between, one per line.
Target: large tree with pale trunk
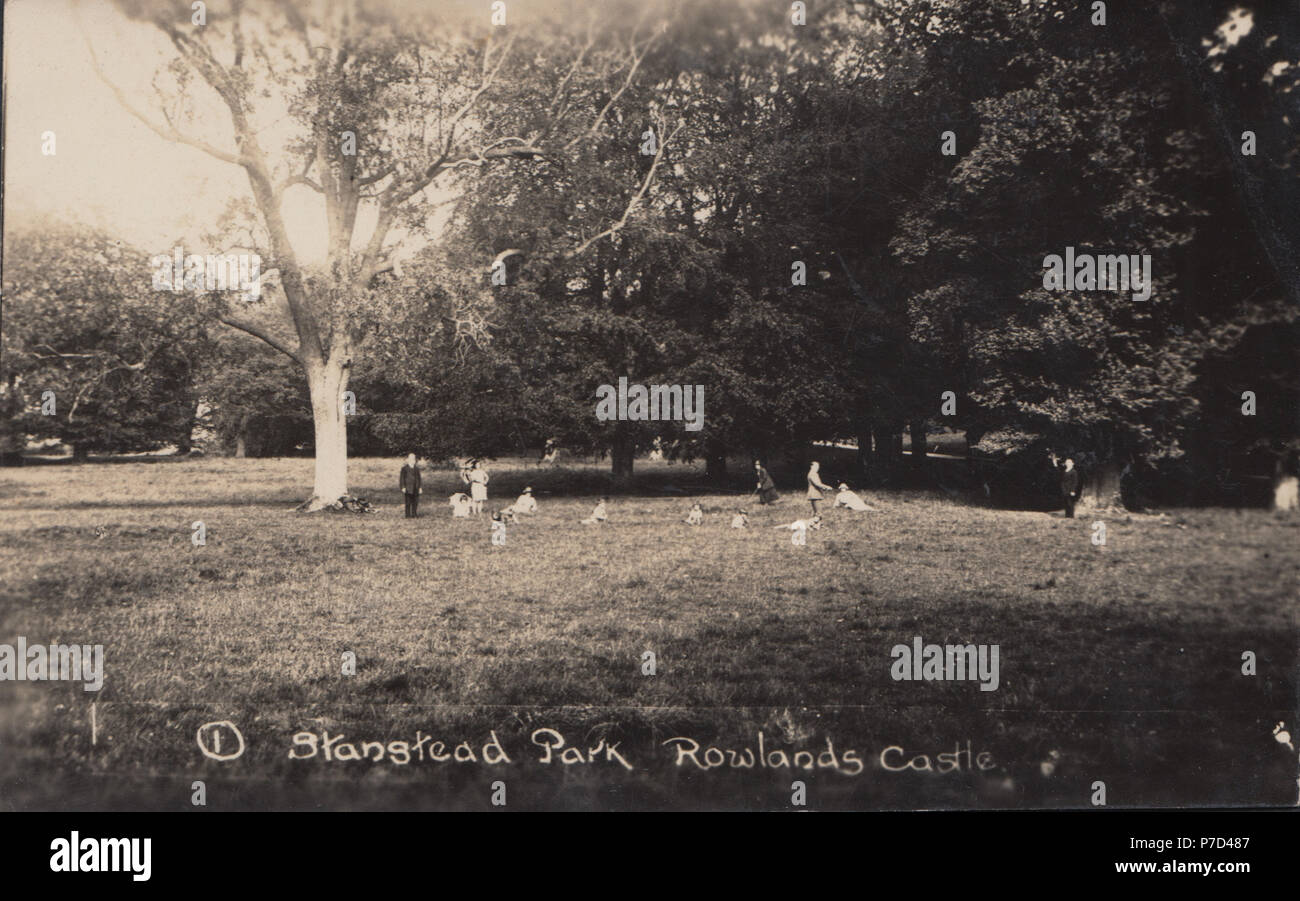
385	111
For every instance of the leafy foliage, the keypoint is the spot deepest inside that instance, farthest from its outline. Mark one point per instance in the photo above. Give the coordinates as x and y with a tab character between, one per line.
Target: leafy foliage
81	320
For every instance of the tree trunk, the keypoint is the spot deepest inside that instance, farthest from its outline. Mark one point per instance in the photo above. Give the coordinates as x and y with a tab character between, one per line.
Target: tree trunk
185	440
80	453
622	453
1101	487
918	436
241	436
327	381
888	449
881	441
12	438
864	456
715	462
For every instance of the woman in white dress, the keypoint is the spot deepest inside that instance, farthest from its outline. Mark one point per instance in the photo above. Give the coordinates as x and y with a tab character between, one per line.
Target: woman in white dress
478	482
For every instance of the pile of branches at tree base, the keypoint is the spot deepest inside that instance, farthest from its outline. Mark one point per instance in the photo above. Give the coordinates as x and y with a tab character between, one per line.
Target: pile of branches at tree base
345	504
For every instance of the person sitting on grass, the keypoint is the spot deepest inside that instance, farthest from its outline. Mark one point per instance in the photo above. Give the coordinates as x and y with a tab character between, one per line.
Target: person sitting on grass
526	503
696	516
740	520
847	498
814	523
598	515
799	528
460	505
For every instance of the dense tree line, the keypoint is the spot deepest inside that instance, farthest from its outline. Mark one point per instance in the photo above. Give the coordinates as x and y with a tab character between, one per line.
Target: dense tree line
828	224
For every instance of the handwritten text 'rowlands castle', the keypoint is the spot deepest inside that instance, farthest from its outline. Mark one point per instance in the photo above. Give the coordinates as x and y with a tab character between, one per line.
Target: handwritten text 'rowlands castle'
551	747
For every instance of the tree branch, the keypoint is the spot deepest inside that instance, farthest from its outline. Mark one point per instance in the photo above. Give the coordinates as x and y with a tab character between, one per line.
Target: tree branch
258	332
81	395
55	353
443	160
636	198
627	82
378	176
564	82
298	180
167	132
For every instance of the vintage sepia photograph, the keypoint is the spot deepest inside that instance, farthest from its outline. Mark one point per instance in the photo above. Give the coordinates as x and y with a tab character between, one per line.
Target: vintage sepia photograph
649	405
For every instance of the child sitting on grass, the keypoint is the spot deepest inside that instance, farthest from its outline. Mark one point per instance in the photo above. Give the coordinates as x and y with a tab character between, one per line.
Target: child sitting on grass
696	516
598	515
799	529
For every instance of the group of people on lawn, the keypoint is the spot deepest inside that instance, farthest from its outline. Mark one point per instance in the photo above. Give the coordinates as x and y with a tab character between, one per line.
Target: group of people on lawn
476	479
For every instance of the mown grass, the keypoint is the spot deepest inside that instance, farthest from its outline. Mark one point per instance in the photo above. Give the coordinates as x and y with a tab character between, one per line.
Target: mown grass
1124	660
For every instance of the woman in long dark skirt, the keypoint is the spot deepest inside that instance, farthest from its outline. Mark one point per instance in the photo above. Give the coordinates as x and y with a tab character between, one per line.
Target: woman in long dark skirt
766	489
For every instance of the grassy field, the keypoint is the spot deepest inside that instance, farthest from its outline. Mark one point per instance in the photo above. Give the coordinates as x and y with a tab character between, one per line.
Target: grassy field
1118	663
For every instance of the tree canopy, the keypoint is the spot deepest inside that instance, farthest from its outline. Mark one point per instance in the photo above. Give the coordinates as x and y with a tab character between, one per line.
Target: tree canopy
829	223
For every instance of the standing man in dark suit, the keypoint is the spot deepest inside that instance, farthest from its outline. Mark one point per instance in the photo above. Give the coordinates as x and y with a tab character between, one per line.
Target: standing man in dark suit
1070	489
410	485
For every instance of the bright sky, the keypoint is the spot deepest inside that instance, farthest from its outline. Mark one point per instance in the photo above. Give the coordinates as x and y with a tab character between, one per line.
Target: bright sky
112	171
109	169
